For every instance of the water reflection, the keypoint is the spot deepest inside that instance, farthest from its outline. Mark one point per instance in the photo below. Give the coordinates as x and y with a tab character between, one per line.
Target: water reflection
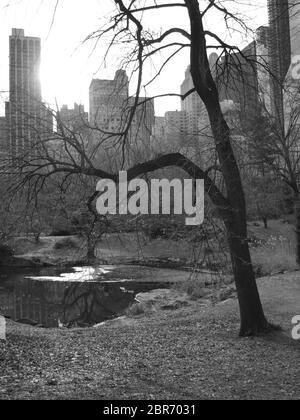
84	296
79	274
56	303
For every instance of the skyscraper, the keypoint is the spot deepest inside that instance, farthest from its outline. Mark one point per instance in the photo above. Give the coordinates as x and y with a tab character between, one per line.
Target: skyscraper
192	105
294	11
111	109
279	52
25	113
108	102
263	60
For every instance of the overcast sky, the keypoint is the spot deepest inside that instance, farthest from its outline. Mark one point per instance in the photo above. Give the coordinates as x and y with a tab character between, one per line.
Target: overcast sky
68	65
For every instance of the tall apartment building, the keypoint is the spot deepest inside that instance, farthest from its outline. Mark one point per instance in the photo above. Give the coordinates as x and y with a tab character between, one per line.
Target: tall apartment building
111	110
109	102
263	73
28	118
176	127
294	14
143	122
192	105
237	81
3	137
169	133
279	52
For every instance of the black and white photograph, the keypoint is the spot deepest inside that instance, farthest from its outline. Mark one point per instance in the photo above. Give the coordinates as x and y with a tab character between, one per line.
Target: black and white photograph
150	203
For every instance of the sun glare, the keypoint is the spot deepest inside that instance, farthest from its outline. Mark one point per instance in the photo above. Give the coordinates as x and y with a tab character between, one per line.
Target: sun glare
60	86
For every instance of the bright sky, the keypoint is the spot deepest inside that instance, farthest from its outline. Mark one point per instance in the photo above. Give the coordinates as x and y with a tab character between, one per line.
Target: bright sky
68	64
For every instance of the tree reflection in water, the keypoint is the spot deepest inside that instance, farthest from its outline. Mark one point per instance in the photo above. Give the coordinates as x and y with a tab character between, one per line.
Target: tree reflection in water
86	304
39	301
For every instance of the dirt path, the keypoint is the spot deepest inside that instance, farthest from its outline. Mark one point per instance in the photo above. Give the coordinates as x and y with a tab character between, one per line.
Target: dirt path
190	353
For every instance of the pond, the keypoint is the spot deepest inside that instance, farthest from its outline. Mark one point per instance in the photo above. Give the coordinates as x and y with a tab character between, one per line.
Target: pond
78	297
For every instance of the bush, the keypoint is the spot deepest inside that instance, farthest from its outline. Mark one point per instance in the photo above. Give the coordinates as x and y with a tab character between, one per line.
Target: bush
66	243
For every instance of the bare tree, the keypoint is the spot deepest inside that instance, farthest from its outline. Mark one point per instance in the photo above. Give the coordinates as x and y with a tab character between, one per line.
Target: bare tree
127	27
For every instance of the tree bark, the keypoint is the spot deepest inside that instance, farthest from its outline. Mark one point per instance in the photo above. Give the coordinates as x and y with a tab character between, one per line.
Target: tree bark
90	250
297	215
253	320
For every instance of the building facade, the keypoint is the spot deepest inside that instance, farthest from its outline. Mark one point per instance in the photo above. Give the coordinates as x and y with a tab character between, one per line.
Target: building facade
192	105
237	81
73	119
294	15
118	119
24	112
279	52
263	73
4	141
109	102
176	127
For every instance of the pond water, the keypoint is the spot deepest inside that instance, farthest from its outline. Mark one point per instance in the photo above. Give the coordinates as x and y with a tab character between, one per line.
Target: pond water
79	297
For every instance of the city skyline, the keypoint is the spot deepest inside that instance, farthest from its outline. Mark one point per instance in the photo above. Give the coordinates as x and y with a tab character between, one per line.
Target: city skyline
77	65
190	110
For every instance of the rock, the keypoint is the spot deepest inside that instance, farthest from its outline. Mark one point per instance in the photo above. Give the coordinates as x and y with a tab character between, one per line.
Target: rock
225	294
165	299
174	306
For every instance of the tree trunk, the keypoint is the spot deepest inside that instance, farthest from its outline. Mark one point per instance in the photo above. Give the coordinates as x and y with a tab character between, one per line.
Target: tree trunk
297	215
253	321
265	221
90	250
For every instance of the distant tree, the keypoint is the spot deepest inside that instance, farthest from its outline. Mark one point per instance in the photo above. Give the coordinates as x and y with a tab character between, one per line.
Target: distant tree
276	147
264	198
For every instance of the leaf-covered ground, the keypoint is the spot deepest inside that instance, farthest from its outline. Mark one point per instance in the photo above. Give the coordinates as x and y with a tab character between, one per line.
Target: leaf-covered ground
190	353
